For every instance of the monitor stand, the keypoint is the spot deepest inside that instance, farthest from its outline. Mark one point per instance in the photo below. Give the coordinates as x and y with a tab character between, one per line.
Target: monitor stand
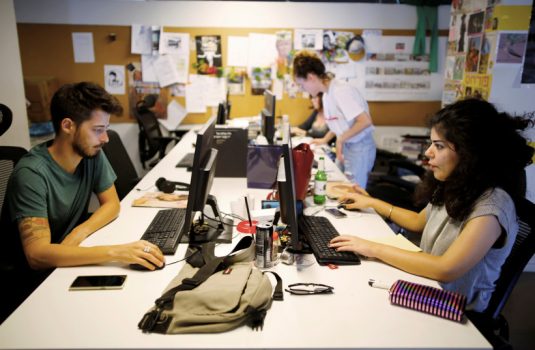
217	230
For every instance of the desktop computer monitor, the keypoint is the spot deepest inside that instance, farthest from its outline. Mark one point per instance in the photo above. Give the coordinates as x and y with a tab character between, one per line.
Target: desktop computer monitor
207	228
268	116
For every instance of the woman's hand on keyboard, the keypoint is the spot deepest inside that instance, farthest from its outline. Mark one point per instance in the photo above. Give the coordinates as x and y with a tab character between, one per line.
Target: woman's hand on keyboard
354	244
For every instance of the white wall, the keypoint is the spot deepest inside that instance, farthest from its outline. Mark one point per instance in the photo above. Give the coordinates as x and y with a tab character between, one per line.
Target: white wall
246	14
11	82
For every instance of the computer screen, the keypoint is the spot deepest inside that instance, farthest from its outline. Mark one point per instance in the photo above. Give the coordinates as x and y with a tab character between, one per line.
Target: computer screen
212	227
268	116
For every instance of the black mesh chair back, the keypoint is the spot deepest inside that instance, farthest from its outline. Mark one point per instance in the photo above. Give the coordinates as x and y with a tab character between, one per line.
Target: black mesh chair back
121	163
491	323
149	133
151	140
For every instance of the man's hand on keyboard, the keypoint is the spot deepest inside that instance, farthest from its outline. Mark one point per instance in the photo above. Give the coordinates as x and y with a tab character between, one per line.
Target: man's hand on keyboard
141	253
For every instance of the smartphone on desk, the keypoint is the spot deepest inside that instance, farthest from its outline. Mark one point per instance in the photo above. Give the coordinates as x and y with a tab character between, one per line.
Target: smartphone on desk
95	282
336	213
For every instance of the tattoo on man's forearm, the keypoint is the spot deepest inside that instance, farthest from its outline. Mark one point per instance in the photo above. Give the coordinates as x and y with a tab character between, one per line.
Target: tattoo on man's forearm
33	229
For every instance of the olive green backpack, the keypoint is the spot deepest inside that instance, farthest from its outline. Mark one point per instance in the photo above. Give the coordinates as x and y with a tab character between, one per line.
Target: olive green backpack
214	294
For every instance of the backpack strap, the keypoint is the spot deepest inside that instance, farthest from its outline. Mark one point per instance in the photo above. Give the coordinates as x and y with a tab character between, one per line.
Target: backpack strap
278	294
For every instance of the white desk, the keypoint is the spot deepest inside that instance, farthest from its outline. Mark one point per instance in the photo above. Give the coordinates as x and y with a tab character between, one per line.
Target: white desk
356	316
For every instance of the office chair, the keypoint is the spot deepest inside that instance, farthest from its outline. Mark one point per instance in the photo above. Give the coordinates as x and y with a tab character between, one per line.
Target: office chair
9	156
151	140
386	180
491	323
121	163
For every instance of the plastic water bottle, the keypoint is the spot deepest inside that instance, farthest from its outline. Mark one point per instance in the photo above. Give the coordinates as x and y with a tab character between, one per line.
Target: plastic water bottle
320	185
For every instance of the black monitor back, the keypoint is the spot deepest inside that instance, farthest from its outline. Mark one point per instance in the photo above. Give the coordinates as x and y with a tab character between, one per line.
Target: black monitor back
221	114
287	198
203	150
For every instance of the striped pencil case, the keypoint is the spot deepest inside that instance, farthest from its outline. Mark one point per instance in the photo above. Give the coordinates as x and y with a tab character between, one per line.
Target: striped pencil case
427	299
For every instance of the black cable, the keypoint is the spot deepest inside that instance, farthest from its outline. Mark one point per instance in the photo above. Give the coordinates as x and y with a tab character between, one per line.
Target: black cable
184	258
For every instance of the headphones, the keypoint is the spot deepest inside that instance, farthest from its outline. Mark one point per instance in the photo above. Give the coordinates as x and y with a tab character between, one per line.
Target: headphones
171	186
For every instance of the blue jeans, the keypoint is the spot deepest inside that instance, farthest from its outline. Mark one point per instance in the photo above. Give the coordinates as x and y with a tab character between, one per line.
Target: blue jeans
359	158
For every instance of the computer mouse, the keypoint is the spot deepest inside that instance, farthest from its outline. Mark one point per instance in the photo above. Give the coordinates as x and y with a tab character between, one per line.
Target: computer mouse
143	268
344	203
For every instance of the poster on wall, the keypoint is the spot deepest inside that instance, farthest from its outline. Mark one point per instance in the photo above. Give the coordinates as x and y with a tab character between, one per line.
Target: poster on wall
174	43
235	80
114	79
392	73
311	39
511	47
477	85
141	39
528	73
472	57
488	51
208	53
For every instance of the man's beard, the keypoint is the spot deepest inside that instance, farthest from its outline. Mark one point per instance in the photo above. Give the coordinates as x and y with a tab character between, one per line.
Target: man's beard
80	151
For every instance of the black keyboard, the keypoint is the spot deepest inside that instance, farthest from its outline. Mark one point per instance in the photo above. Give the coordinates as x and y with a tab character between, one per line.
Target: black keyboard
164	230
186	161
318	232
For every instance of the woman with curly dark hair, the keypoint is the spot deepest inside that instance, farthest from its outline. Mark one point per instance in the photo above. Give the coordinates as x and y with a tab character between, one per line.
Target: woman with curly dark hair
476	161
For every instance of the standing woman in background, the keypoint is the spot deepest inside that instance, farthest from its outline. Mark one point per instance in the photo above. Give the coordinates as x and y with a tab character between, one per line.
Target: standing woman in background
346	113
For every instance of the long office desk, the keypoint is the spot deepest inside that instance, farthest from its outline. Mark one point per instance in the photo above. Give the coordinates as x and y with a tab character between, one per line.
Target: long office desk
356	316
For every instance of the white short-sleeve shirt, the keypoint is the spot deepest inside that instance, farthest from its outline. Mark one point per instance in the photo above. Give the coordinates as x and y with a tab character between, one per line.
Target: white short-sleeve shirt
342	103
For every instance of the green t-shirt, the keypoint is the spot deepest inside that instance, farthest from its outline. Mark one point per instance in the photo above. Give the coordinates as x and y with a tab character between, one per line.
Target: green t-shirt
39	187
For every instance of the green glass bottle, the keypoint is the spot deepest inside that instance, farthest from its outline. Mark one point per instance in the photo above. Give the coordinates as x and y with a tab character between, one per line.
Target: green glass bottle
320	185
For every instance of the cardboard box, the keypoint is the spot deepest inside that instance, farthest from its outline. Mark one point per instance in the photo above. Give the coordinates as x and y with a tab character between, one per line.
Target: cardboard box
39	92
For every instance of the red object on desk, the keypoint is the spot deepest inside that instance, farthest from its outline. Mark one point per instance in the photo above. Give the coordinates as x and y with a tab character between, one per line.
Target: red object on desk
245	227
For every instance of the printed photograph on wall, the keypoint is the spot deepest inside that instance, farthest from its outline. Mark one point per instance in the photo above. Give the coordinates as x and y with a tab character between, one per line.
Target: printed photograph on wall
311	39
461	39
488	49
284	52
458	70
235	80
449	67
174	43
477	85
475	23
208	53
472	57
511	47
260	80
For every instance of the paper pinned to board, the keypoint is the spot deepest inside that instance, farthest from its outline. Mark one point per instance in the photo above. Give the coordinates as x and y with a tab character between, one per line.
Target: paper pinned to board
82	44
175	114
398	241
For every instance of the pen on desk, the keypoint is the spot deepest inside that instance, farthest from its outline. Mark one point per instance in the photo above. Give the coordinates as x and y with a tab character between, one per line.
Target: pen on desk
378	284
248	212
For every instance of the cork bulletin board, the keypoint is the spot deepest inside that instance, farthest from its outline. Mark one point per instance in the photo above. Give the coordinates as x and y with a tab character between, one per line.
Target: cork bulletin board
46	50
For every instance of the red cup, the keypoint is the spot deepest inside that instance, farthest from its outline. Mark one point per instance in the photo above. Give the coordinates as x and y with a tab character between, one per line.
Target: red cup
245	227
